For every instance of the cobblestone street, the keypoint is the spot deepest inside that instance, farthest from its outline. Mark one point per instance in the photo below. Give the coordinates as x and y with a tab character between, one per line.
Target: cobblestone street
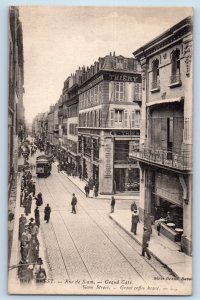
89	246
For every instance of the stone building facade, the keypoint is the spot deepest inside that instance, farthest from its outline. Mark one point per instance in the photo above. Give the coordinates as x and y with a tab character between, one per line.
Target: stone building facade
70	119
16	122
165	148
109	122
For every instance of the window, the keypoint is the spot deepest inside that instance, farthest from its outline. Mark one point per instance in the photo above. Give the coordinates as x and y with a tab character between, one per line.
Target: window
118	115
92	97
175	59
119	91
155	74
125	64
96	94
73	129
135	118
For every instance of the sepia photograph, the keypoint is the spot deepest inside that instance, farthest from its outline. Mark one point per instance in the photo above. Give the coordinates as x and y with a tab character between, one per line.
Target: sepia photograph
100	150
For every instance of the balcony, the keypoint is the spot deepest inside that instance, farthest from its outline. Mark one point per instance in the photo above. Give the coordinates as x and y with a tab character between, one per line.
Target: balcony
155	86
175	80
176	159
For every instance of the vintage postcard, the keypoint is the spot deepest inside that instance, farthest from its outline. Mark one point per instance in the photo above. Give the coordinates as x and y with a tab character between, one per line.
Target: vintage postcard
100	150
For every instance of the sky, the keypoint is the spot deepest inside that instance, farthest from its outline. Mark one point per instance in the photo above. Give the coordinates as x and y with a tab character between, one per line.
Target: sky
59	39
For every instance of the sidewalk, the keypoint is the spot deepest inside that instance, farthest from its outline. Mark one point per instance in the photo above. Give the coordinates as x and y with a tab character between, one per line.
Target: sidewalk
15	256
163	249
81	184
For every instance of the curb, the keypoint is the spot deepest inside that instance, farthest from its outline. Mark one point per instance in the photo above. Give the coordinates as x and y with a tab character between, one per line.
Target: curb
98	198
136	240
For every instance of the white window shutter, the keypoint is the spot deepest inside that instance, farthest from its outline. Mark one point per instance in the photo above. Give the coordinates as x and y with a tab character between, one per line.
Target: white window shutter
125	118
112	114
133	119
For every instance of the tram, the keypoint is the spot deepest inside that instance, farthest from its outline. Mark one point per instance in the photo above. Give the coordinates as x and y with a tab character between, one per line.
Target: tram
43	165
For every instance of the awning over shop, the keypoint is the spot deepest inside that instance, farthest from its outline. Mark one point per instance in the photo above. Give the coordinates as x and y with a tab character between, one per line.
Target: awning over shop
165	101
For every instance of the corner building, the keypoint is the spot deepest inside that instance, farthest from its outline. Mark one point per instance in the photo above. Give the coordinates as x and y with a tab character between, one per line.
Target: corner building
165	148
109	122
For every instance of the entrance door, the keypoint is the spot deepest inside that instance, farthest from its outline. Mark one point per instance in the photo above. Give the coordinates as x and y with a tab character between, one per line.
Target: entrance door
119	177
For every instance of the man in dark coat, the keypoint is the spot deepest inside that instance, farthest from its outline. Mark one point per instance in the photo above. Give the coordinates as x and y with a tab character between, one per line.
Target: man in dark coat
112	204
47	212
145	245
135	220
37	216
33	187
39	200
22	222
86	188
74	203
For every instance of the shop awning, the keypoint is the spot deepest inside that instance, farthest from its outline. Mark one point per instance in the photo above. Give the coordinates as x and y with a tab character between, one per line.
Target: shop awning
165	101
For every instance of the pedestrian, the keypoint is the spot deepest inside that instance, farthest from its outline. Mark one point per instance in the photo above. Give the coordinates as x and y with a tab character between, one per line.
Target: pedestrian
28	204
34	230
133	206
21	197
33	253
90	185
33	188
158	224
86	188
39	200
37	216
145	245
22	222
58	168
24	248
74	203
95	191
112	204
26	236
135	220
47	212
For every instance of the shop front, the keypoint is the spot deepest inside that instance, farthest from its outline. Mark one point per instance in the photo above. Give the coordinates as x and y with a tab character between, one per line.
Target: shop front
126	179
167	205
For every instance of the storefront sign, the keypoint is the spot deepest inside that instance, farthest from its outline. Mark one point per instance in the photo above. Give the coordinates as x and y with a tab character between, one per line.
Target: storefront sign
123	77
126	132
107	159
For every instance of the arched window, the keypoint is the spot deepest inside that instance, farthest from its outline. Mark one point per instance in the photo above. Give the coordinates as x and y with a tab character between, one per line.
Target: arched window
155	74
175	60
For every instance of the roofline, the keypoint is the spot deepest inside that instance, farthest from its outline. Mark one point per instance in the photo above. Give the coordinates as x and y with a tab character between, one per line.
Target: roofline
188	20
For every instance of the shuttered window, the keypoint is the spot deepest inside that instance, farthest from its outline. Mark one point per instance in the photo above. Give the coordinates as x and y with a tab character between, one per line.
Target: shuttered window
119	91
125	119
112	115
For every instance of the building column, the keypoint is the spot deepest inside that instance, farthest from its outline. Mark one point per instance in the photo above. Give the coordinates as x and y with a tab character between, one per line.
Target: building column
186	239
142	191
143	136
187	136
106	165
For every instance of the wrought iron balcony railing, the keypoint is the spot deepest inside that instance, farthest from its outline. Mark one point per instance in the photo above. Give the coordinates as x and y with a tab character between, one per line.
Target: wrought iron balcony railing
177	159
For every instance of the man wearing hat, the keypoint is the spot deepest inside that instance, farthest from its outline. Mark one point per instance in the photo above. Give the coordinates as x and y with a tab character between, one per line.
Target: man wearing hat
135	220
145	245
